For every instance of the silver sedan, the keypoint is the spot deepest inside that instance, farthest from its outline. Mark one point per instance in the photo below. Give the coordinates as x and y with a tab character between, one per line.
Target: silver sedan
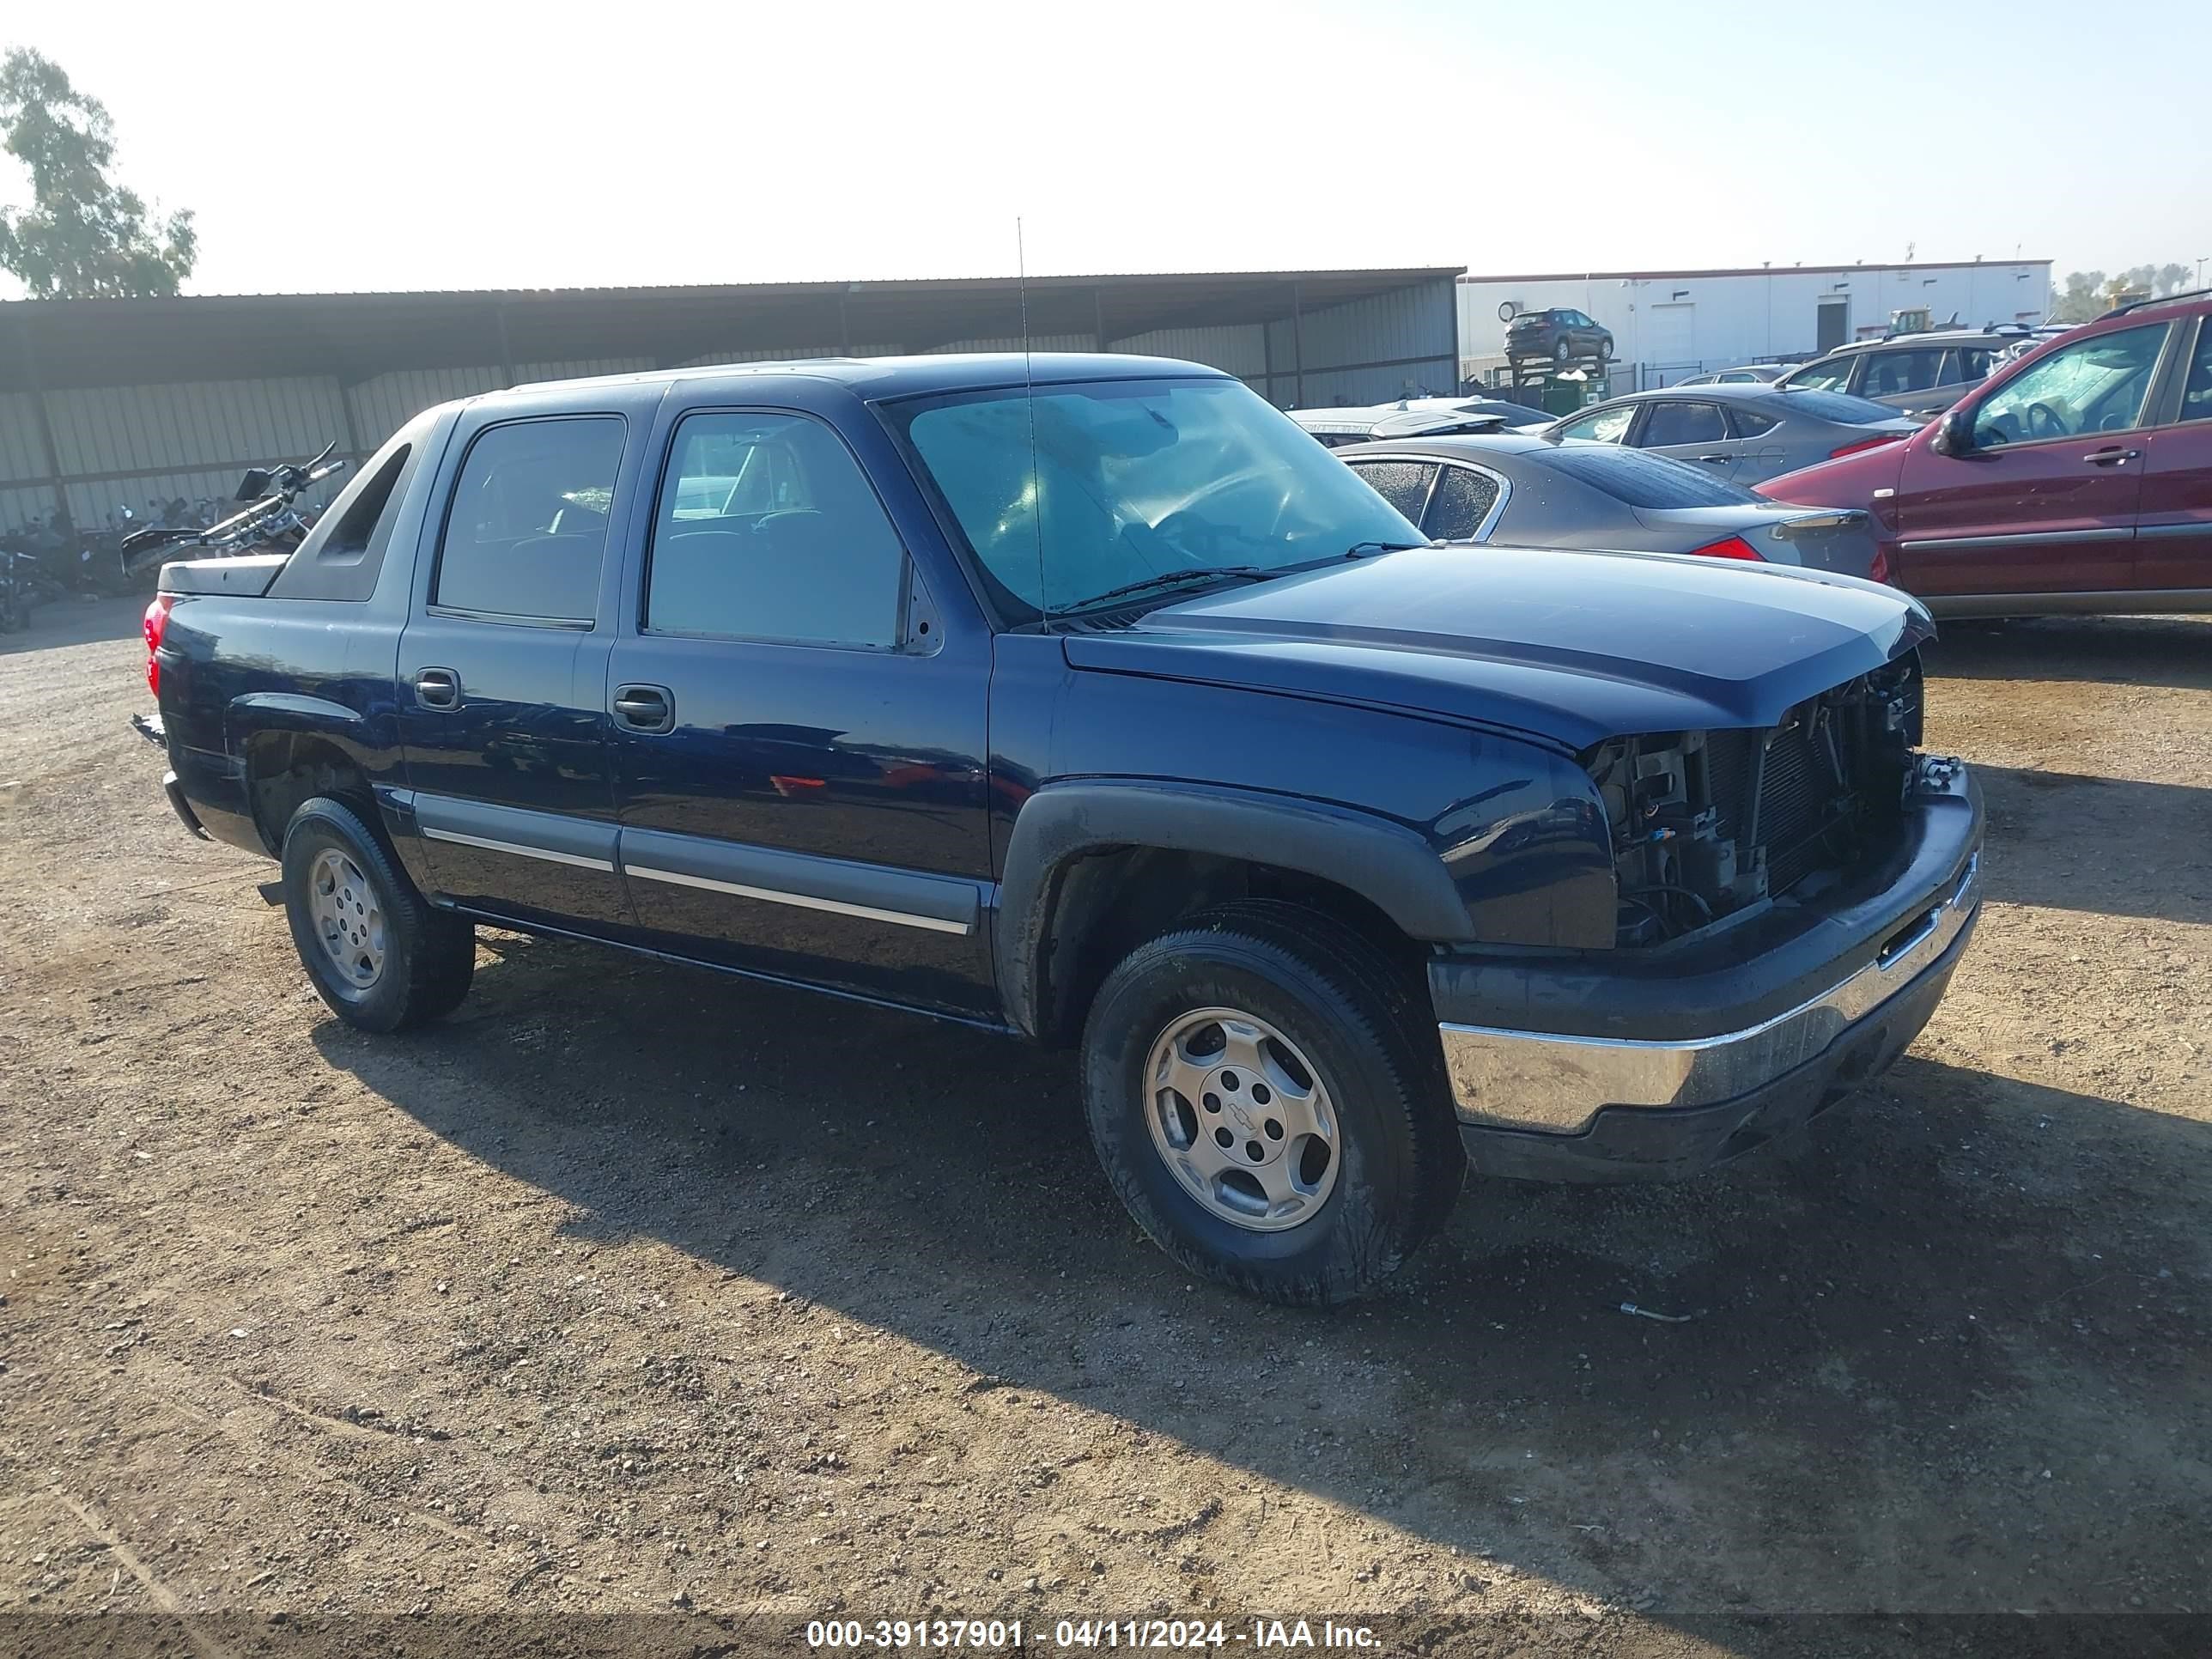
1744	434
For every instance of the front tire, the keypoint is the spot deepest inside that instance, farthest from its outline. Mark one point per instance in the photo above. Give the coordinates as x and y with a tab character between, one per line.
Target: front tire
1319	1152
376	951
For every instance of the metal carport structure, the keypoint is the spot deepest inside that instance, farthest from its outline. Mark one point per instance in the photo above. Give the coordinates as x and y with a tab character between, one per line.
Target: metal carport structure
106	402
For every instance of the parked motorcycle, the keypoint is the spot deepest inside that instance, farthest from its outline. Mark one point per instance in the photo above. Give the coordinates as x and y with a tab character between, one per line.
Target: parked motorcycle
275	522
18	593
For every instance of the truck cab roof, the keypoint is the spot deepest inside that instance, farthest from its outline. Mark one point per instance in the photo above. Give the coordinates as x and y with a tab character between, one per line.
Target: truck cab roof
873	379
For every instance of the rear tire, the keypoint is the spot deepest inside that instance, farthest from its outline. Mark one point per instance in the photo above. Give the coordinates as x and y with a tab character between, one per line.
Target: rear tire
379	954
1561	351
1321	1216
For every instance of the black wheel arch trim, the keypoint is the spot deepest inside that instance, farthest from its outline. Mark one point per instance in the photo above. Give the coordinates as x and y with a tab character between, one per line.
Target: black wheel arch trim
1386	863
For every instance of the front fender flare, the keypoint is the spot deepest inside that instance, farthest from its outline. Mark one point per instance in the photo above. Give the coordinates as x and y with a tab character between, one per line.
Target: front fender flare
1386	863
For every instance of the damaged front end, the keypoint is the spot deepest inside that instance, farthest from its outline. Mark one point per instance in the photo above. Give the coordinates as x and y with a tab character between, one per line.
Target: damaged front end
1709	825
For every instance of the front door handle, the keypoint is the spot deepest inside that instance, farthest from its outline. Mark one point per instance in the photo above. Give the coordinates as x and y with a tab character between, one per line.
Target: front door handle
2113	457
645	708
438	688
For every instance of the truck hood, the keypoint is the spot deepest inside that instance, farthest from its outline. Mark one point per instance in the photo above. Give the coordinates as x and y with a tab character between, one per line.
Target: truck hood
1572	647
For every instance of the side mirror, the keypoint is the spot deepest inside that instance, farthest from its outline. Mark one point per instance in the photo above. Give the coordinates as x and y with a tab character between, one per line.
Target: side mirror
254	485
1954	433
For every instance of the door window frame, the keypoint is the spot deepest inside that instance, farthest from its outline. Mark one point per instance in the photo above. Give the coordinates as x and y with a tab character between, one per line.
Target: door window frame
436	562
920	628
2162	399
1434	463
2199	339
1482	531
1627	438
1651	408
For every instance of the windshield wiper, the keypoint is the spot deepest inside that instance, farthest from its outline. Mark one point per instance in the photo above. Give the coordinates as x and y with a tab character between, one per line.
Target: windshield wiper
1361	550
1204	573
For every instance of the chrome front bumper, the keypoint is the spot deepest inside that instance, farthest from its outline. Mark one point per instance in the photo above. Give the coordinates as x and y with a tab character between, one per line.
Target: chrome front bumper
1557	1085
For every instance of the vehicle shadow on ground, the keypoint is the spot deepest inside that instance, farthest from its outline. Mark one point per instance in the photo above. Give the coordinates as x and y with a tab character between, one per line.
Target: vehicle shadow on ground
77	622
2109	845
1882	1340
2167	650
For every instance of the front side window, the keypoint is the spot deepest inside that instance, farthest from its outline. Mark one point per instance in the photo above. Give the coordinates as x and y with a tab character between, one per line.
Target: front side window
1893	373
1404	484
1829	375
1678	421
2097	384
1463	499
1076	490
768	529
526	530
1601	426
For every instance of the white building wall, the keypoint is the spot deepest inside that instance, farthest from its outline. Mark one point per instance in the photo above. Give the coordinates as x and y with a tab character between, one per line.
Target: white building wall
1677	324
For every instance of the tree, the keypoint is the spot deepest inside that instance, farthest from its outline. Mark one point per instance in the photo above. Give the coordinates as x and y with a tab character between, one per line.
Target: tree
83	236
2084	297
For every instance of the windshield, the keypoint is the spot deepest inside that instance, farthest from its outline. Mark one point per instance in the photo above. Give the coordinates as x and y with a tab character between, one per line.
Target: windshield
1133	480
1840	407
1829	375
1642	480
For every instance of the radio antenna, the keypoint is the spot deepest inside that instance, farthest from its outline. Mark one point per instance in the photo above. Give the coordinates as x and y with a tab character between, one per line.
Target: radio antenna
1029	403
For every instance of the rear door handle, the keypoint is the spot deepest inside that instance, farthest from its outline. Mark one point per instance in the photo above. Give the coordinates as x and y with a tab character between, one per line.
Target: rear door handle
1716	460
2114	457
646	707
438	688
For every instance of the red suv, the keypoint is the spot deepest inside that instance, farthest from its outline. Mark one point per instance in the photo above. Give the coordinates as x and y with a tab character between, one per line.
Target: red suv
2076	479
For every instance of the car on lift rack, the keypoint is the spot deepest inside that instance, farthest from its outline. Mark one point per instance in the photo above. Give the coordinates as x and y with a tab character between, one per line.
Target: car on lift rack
1086	698
1560	334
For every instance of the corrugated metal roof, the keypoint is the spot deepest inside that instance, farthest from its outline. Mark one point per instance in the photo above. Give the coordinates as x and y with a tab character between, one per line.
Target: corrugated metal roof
1737	270
85	342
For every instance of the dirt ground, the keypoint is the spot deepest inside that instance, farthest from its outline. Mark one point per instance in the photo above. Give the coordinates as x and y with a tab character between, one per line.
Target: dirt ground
635	1291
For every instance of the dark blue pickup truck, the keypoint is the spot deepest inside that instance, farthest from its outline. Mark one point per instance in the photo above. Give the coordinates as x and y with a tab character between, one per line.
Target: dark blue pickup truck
1087	698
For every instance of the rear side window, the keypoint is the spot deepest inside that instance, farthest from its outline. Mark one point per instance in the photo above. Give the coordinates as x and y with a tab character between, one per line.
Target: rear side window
1404	484
1745	424
1893	373
1678	421
1643	480
769	530
527	529
1464	498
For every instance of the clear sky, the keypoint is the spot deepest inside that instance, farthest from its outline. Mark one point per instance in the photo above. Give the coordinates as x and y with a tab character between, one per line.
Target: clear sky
400	145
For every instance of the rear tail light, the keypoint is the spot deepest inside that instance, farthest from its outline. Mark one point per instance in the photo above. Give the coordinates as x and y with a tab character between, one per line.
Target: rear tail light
156	623
1733	547
1879	570
1864	443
